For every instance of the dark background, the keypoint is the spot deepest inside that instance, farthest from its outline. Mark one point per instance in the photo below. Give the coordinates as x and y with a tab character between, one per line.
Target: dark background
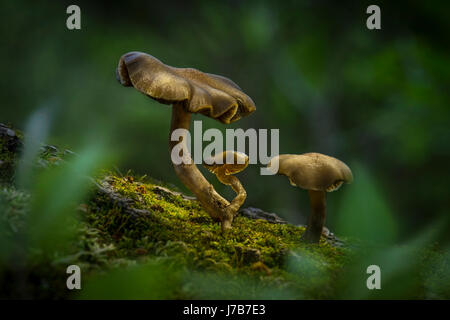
376	99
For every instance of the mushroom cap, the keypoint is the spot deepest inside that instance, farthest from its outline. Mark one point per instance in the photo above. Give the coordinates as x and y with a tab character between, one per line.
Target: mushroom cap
215	96
314	171
219	162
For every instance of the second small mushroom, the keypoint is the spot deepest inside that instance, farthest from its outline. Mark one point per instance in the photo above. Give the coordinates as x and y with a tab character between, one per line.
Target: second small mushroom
318	174
224	165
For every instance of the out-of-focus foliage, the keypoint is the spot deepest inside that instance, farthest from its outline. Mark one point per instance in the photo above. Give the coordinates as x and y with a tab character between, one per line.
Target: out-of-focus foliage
39	224
364	213
153	280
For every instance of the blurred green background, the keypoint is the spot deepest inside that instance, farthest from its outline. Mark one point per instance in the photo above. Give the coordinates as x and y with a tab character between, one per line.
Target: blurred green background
378	100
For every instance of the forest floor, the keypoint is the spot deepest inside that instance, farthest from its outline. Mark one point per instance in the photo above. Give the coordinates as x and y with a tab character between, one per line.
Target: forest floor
135	237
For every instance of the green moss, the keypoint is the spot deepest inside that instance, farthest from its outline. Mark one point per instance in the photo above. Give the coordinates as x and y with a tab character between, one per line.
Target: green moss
168	224
15	205
10	144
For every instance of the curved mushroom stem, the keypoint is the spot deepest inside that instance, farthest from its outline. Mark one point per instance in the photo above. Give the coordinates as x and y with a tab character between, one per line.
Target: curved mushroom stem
316	220
189	174
237	202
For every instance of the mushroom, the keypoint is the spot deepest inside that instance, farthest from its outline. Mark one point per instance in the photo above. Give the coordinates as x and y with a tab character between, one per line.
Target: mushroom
224	166
189	91
318	174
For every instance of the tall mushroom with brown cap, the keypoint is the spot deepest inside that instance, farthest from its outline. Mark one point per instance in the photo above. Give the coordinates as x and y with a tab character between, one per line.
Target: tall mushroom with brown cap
318	174
189	91
224	165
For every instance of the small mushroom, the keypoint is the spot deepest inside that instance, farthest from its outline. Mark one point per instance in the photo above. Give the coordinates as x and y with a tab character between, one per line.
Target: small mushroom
189	91
224	166
318	174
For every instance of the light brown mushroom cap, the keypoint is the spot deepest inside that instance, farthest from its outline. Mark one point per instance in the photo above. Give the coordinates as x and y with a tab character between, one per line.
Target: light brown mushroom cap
214	96
314	171
219	162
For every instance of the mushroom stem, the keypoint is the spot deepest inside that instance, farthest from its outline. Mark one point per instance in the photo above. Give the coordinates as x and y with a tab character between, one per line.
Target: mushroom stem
189	174
316	220
237	202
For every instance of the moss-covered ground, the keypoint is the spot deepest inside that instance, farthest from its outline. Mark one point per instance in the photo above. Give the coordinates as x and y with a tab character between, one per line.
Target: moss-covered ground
127	222
138	238
168	224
